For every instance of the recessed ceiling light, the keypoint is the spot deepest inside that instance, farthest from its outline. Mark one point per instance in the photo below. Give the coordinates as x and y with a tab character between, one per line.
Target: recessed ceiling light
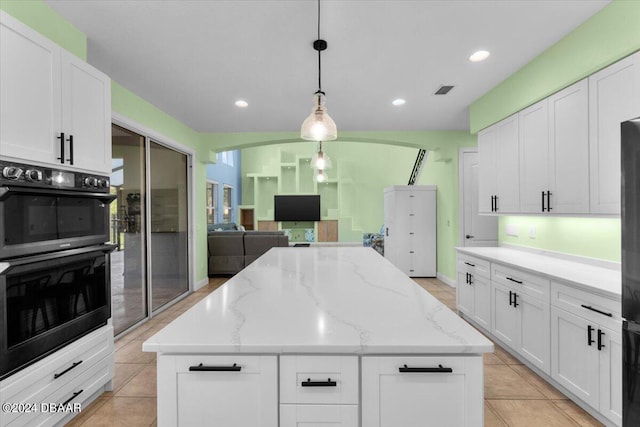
480	55
398	102
241	103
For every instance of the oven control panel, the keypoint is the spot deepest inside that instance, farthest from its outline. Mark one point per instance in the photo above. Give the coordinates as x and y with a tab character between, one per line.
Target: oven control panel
18	174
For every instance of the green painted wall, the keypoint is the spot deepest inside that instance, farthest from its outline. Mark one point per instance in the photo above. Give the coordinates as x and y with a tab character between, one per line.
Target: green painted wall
364	163
606	37
39	16
589	237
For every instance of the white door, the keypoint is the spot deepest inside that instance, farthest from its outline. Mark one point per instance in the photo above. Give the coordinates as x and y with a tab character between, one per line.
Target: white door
504	321
86	112
481	301
569	147
533	331
611	375
574	363
318	416
534	156
507	165
614	95
30	106
477	230
391	398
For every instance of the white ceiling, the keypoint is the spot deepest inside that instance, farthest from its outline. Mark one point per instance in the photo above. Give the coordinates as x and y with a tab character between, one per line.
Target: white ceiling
193	59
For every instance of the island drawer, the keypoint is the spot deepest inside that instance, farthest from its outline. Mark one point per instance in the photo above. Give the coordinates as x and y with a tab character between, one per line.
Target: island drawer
330	415
319	379
590	306
473	265
530	284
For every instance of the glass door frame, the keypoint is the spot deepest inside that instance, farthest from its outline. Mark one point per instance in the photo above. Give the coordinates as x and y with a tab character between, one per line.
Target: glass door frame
151	135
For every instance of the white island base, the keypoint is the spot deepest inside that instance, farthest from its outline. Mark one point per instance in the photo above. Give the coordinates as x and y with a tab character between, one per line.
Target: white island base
330	336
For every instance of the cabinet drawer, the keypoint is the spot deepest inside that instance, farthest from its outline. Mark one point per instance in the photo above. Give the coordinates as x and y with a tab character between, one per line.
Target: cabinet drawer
36	382
593	307
526	283
319	379
473	265
330	415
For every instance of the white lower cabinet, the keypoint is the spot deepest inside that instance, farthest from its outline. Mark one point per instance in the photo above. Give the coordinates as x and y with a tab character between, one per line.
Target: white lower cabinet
474	290
412	391
230	391
319	415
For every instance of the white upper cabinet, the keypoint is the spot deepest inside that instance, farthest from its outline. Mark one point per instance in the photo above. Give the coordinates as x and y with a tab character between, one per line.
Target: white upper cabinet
498	175
56	108
554	153
614	98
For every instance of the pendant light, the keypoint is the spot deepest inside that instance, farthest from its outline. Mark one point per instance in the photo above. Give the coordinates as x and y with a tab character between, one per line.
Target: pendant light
321	160
319	126
320	176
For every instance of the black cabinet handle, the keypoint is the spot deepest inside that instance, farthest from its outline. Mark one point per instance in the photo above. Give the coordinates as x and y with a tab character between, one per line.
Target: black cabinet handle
542	201
469	236
496	204
515	300
510	298
387	231
600	335
439	369
493	206
327	383
514	280
61	138
469	264
548	201
66	370
470	279
76	394
70	159
410	252
588	307
201	368
589	339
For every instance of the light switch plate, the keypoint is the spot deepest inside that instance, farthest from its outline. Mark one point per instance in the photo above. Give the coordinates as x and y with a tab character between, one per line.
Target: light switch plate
532	231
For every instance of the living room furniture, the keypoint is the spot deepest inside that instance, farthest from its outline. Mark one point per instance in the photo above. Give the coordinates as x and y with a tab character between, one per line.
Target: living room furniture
231	251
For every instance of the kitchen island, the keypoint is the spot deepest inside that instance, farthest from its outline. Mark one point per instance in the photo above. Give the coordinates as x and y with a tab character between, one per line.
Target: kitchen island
311	335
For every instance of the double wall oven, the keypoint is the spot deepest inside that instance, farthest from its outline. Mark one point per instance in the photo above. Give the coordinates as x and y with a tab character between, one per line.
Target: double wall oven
54	260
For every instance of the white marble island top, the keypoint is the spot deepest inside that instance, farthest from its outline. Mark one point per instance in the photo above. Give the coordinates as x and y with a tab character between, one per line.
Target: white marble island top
319	300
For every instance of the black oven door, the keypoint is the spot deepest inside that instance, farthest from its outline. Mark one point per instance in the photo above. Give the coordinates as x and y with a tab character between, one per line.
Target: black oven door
49	300
35	220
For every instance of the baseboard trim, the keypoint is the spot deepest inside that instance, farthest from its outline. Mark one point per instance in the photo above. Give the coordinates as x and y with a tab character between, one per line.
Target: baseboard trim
446	280
201	283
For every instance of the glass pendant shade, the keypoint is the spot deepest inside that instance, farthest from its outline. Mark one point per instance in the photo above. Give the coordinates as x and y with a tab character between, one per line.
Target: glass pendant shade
320	176
318	126
321	161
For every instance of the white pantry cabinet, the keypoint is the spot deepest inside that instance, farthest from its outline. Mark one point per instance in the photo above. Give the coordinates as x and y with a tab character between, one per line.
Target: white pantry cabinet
410	228
614	97
554	153
245	390
56	108
498	175
411	391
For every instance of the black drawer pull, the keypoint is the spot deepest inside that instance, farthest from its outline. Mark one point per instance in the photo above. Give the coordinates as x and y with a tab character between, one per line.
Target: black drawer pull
514	280
76	394
327	383
439	369
66	370
202	368
469	264
588	307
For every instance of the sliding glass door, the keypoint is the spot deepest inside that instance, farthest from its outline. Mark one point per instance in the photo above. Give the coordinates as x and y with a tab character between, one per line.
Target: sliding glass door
149	223
169	224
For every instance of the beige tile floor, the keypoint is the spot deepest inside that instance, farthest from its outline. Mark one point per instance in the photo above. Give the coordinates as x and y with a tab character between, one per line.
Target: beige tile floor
514	395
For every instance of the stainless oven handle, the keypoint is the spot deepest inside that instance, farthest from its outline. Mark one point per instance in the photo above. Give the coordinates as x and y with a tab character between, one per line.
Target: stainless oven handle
6	264
6	192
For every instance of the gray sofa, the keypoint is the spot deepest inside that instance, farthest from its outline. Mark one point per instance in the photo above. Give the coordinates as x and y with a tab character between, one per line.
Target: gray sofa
231	251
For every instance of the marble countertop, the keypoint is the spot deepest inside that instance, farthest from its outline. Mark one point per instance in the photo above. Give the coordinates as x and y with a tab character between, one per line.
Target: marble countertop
605	281
347	300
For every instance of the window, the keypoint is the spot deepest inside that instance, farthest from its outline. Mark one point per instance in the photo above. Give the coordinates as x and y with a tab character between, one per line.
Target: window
212	202
226	201
226	158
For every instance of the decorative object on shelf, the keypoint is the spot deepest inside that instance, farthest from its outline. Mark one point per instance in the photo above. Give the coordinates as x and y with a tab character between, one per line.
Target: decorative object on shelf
309	235
318	126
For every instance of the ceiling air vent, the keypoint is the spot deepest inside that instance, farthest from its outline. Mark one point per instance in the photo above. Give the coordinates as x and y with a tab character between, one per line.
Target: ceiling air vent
443	90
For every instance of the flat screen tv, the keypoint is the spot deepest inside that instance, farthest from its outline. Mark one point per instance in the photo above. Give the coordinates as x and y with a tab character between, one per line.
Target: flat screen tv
297	208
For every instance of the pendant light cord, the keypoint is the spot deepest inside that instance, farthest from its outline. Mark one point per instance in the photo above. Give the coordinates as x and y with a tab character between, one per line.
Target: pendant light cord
319	51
